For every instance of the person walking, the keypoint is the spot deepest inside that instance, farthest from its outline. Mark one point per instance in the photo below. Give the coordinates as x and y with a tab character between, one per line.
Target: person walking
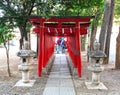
63	45
58	45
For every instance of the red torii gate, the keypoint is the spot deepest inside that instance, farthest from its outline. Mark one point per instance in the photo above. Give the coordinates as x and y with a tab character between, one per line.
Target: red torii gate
70	27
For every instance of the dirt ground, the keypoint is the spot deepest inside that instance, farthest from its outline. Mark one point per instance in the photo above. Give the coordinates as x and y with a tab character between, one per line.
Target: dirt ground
110	77
7	83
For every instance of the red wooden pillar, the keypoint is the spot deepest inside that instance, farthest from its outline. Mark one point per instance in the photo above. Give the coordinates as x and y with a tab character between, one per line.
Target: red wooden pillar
41	50
39	55
78	48
45	42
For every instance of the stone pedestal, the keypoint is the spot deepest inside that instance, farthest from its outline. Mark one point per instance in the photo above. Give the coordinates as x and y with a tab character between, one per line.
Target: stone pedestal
20	83
25	66
25	81
25	77
96	59
95	83
99	86
96	74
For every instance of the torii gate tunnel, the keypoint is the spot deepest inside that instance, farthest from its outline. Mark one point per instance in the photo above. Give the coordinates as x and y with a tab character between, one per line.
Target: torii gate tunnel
70	27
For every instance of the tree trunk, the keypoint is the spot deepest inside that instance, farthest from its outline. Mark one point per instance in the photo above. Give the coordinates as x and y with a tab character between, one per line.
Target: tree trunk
37	45
94	29
107	44
83	41
7	54
104	27
21	39
117	62
93	35
21	43
29	40
23	34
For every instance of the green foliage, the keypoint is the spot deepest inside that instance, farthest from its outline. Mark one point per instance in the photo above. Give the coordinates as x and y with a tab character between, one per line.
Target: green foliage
18	11
117	9
29	25
5	33
79	7
22	9
69	7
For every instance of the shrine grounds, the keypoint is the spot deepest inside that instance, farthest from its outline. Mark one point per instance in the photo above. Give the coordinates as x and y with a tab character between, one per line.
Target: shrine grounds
110	77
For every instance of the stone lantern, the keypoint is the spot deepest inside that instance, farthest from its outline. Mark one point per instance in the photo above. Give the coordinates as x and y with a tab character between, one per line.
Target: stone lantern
26	54
96	59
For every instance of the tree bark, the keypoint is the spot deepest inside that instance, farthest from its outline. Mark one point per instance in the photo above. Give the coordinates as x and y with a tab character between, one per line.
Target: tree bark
23	26
29	40
37	47
83	42
93	35
104	27
107	44
23	34
94	28
8	63
117	62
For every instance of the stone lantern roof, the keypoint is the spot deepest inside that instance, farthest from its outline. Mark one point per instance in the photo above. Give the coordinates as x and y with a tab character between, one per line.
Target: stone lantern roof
26	52
97	53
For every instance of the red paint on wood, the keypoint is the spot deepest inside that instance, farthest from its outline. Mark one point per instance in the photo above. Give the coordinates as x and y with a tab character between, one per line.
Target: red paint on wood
57	27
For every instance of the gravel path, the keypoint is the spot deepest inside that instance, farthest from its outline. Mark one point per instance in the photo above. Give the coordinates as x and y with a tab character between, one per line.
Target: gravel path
110	78
7	83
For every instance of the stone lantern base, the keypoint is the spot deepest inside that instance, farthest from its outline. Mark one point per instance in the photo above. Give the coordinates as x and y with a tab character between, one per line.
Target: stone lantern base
90	85
95	82
28	84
